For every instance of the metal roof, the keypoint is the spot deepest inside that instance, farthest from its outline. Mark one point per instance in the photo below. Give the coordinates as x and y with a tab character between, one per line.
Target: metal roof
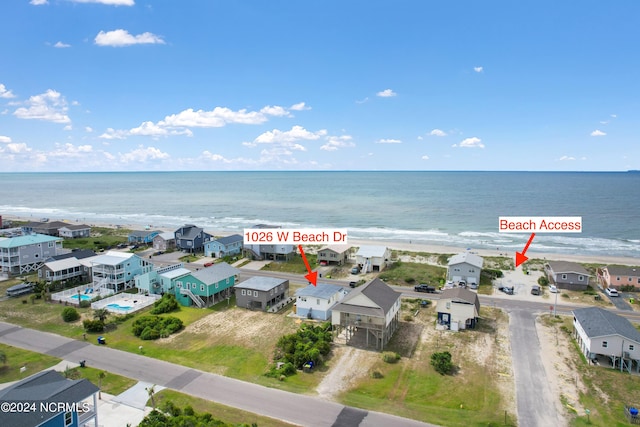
322	290
468	258
215	273
260	283
172	274
63	264
29	239
371	251
598	322
112	258
227	240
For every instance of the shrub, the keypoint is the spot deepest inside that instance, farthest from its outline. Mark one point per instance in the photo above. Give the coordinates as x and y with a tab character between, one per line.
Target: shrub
93	325
376	375
84	304
441	362
70	314
409	280
408	318
166	304
154	327
390	357
309	344
543	281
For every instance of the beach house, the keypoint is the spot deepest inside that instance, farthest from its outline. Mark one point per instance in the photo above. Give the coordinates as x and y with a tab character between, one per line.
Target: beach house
567	275
164	242
74	231
26	254
316	302
262	293
44	227
368	316
372	258
458	308
160	280
190	238
223	246
56	402
618	276
334	254
117	270
65	267
465	267
206	286
603	335
142	237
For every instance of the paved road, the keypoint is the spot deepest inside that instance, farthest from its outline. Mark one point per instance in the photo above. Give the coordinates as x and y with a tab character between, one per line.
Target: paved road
293	408
535	402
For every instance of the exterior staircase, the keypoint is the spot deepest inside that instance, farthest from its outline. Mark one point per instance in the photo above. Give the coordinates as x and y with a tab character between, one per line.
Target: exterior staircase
195	298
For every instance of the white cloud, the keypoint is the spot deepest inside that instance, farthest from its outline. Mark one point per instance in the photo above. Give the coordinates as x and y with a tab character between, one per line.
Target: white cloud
437	132
598	132
362	101
425	157
111	133
61	45
289	138
218	117
120	37
143	154
38	2
67	128
214	157
276	111
151	129
478	69
564	158
88	129
300	106
388	141
5	93
473	142
70	151
614	115
387	93
5	139
107	2
336	142
15	148
50	106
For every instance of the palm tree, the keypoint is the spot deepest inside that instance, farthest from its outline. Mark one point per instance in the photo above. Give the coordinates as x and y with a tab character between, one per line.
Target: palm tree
152	391
3	357
100	313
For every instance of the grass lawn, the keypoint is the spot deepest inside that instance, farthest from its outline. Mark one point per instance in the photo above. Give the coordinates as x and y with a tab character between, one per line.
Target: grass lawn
410	273
412	388
294	265
221	412
17	358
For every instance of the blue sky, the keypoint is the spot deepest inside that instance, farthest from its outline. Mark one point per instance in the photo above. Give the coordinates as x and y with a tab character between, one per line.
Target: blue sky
113	85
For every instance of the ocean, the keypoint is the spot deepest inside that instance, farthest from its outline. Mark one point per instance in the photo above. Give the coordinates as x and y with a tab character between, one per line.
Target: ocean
458	209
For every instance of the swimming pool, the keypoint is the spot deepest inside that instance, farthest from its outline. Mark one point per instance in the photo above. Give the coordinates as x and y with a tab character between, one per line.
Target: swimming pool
82	297
115	306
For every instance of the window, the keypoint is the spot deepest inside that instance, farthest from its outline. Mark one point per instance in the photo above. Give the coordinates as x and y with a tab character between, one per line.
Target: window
631	347
317	301
580	278
216	286
243	292
193	285
564	277
179	285
68	418
604	344
255	294
202	288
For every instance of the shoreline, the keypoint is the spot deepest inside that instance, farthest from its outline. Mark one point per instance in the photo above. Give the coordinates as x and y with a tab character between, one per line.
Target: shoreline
410	246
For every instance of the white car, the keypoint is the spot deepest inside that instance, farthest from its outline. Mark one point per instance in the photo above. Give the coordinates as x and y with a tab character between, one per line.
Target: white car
611	292
553	289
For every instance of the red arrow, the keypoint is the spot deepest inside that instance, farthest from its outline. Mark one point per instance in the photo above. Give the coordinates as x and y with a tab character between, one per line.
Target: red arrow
520	257
313	275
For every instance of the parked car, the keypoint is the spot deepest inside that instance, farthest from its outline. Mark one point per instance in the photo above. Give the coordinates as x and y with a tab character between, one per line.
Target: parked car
353	284
323	262
462	284
535	290
506	289
611	292
425	288
355	270
208	264
473	286
553	289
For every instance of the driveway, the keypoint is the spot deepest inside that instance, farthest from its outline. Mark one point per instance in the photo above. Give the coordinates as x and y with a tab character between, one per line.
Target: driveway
535	402
620	302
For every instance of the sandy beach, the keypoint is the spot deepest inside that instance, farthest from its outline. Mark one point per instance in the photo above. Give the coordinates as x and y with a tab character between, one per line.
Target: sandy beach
410	246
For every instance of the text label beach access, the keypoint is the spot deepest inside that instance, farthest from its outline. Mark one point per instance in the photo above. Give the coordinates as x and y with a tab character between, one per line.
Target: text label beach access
540	224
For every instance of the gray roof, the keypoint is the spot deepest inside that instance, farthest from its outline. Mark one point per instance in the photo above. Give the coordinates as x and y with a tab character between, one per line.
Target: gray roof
598	322
622	270
143	233
339	249
378	292
215	273
468	258
76	227
227	240
371	251
322	290
461	294
259	283
189	231
82	253
46	386
166	236
567	267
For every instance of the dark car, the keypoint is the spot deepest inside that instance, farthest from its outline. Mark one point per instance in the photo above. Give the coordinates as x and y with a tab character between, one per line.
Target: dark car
425	288
353	284
506	289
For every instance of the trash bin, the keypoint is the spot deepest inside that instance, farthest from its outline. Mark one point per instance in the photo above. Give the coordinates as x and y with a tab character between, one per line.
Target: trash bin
101	340
83	363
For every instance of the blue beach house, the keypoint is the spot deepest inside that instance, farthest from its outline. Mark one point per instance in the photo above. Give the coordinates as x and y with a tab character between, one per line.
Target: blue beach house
316	302
206	286
224	246
190	238
144	237
54	401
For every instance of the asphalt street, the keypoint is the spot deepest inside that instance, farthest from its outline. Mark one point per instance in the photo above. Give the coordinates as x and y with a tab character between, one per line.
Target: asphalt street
290	407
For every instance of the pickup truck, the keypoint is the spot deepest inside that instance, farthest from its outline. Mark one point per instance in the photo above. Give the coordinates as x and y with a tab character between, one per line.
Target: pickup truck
425	288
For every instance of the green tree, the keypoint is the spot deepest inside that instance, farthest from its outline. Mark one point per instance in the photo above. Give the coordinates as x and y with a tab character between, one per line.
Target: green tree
70	314
441	362
101	314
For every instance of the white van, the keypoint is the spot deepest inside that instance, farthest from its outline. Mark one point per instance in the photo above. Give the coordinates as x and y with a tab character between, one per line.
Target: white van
611	292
